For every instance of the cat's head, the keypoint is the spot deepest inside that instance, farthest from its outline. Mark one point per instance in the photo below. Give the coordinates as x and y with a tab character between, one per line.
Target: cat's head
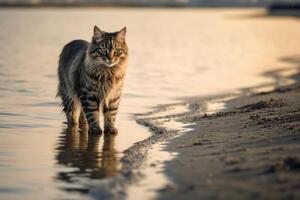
108	49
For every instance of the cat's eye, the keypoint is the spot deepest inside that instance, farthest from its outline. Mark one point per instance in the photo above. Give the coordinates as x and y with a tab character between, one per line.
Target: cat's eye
118	50
102	50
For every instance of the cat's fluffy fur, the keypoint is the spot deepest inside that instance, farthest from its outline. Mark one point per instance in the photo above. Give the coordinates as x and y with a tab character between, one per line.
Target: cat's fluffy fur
92	75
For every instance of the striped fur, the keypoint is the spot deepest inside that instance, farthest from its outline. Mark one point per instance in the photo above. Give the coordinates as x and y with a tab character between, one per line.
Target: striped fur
91	75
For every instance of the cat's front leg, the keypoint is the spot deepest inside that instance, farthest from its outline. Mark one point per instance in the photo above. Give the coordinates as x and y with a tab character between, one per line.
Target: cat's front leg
110	112
90	106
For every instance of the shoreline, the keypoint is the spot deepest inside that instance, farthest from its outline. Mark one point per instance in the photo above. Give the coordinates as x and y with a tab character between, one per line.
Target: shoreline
191	173
248	150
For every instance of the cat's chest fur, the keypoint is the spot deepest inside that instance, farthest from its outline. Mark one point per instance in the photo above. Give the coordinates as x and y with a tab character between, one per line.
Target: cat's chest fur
106	82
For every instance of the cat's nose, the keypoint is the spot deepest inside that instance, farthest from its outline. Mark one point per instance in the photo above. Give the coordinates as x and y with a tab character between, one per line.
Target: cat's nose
110	57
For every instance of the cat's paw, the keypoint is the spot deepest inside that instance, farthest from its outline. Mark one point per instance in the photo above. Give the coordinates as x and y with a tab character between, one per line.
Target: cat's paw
95	130
110	130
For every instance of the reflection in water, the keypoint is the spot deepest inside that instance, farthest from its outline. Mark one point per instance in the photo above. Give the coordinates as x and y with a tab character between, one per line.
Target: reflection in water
79	154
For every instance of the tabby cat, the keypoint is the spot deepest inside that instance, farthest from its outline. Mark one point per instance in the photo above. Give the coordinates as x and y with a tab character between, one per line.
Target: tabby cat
91	76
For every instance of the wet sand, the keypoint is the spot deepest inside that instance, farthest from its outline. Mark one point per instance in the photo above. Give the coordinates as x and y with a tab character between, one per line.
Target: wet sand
249	151
242	146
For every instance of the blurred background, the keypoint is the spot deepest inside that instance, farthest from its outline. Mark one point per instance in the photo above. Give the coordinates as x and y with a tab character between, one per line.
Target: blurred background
166	3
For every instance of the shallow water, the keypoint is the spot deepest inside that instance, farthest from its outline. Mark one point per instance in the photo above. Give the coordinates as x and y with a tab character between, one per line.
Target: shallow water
173	53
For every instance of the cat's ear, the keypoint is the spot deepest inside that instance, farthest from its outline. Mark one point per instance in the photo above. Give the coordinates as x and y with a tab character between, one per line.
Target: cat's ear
121	34
97	32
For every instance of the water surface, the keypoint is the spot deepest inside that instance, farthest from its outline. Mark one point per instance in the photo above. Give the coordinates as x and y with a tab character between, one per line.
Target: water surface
173	53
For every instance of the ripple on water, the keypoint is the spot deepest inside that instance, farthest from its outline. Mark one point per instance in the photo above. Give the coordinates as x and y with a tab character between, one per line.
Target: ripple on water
45	104
13	190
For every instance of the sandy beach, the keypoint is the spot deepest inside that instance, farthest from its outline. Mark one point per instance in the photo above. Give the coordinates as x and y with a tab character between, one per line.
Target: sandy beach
249	150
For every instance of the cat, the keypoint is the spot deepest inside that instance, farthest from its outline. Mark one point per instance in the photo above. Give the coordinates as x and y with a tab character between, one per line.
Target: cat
91	76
